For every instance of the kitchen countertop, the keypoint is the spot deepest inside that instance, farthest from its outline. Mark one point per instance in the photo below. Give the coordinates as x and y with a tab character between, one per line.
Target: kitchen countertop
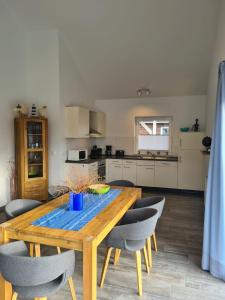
126	157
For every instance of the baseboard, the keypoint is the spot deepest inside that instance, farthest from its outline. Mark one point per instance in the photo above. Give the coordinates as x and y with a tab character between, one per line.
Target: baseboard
172	191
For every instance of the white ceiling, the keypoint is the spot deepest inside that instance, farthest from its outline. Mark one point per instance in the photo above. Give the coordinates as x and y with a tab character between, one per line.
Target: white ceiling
122	45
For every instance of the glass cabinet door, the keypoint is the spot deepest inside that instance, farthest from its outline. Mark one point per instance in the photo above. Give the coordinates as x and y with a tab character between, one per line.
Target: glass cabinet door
35	164
34	135
35	151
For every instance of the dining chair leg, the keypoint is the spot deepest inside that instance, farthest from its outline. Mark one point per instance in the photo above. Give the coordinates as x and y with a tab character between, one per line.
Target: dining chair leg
117	256
31	248
70	280
37	248
14	297
105	266
72	288
149	251
155	242
139	275
146	260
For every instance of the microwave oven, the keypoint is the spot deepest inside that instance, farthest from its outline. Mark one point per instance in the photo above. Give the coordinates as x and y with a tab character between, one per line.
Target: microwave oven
75	155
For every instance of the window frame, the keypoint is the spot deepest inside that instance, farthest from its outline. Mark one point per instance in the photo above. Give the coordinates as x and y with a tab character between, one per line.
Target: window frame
151	119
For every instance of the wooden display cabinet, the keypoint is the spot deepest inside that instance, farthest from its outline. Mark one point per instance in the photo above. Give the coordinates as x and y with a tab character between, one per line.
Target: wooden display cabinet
31	147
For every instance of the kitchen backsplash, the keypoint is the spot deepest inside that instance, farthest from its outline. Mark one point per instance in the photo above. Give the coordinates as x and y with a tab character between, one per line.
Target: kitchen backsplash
124	143
118	143
79	144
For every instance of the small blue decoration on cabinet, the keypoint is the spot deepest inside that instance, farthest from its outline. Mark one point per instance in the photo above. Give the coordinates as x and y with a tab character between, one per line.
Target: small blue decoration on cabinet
76	201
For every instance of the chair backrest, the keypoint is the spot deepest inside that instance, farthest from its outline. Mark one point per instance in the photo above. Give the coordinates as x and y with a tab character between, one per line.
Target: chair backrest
125	183
137	224
22	270
156	202
17	207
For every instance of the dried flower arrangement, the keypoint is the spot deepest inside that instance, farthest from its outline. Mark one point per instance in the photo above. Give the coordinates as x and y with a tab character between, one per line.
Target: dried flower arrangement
12	179
78	183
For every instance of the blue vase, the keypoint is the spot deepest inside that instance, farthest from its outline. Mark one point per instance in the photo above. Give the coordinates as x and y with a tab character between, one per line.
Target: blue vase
71	194
76	201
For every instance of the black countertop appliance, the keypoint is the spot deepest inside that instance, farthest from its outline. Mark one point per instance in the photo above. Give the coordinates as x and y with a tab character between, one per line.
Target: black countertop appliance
108	150
120	153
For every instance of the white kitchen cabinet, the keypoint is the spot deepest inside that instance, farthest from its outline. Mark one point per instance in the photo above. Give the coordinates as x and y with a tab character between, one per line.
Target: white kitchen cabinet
190	170
191	140
114	169
145	173
76	122
97	124
191	161
130	170
166	174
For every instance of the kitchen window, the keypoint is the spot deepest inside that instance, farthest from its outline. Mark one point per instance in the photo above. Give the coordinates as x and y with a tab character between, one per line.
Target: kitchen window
153	133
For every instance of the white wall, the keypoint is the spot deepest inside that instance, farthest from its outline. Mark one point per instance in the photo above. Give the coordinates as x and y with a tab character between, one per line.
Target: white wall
54	80
43	89
35	68
12	89
218	55
73	90
120	116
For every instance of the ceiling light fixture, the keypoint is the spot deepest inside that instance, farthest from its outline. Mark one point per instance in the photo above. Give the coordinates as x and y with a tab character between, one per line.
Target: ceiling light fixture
143	92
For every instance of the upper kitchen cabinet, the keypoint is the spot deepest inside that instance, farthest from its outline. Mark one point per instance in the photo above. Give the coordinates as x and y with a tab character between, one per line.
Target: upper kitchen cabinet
191	140
97	124
76	122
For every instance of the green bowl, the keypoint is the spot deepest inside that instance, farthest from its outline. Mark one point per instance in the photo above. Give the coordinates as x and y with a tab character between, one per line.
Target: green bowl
184	129
99	188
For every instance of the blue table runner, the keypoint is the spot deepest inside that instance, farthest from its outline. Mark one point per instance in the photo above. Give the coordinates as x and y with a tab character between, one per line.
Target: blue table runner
63	218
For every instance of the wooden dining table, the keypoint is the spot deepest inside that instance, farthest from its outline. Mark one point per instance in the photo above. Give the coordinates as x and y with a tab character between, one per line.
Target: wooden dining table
85	240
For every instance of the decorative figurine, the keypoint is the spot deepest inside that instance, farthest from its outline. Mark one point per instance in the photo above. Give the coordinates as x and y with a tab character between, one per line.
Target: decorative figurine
43	111
195	127
33	112
207	143
20	109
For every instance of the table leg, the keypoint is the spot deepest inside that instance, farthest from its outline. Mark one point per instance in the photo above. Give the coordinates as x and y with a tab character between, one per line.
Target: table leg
5	286
89	270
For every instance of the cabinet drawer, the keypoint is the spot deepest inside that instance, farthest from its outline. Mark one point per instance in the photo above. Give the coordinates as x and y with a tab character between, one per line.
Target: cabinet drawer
166	164
115	161
35	185
145	163
129	162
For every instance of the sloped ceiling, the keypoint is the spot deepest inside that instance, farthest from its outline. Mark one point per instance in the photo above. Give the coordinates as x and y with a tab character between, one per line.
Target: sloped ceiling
122	45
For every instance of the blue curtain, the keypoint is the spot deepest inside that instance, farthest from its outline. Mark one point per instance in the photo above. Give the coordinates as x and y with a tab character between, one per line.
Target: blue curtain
213	258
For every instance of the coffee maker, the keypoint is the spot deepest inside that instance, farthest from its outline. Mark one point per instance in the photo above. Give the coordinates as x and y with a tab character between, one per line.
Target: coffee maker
108	150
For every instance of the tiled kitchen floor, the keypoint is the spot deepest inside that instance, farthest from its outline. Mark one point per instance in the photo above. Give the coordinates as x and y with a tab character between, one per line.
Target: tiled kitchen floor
176	272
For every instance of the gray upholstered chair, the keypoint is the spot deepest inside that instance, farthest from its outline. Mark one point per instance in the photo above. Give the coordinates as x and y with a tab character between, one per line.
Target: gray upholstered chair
131	235
125	183
18	207
35	277
156	202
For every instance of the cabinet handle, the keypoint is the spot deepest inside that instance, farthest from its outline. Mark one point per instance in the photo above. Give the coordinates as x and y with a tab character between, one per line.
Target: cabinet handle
117	167
126	167
149	168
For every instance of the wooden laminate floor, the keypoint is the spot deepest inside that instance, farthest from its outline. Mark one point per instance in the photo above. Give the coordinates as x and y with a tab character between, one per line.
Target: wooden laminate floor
176	272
